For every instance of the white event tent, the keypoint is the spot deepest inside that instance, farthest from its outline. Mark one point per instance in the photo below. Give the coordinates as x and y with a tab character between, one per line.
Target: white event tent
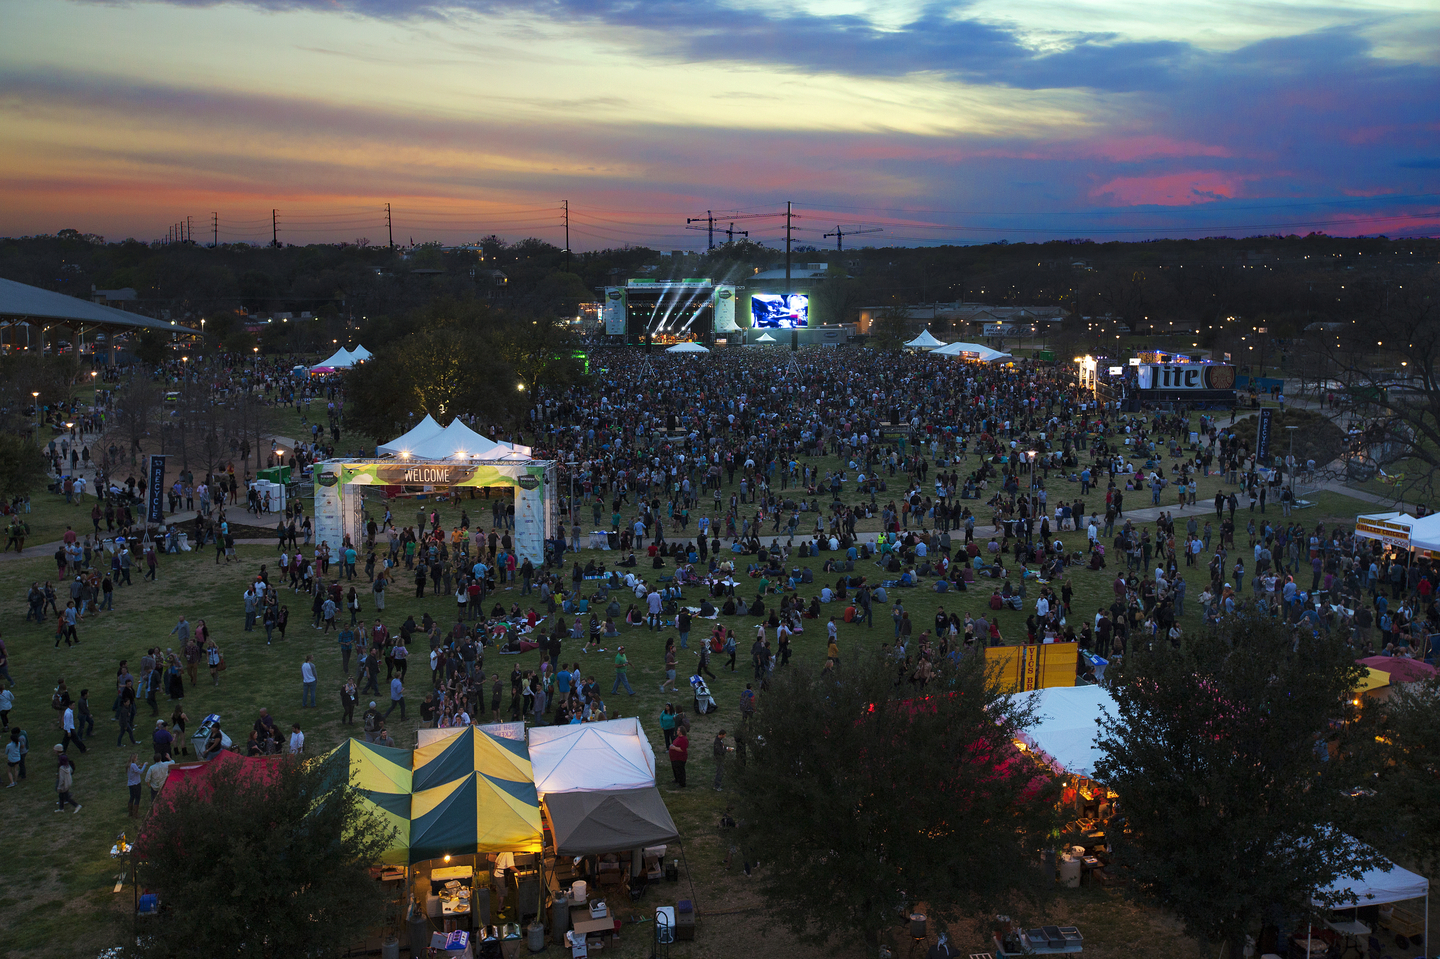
1066	725
925	341
687	347
343	359
428	440
971	351
589	757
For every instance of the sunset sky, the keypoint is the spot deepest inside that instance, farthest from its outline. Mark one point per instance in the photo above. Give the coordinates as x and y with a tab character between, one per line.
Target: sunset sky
940	122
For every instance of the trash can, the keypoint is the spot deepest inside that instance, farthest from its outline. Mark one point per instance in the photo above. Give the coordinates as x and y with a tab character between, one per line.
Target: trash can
390	948
1070	872
537	936
510	941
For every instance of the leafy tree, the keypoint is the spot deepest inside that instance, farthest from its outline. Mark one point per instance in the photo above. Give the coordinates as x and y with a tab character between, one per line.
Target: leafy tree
268	863
1397	811
865	798
1218	753
151	347
22	466
891	329
445	372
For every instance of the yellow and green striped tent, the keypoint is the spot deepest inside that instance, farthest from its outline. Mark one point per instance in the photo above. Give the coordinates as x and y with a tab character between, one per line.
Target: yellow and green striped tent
382	777
477	813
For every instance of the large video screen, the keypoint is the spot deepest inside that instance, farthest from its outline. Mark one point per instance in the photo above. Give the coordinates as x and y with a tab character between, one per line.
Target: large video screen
779	311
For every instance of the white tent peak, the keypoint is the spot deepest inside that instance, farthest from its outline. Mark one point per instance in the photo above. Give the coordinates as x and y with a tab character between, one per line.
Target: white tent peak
687	347
925	341
765	338
412	437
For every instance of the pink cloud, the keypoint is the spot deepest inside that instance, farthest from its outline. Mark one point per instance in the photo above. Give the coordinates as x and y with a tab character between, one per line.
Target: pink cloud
1170	189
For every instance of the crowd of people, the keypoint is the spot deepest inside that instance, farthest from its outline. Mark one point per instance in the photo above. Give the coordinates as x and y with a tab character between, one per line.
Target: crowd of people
774	495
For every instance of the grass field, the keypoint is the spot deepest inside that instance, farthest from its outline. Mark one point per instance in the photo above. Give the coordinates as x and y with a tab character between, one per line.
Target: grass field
59	900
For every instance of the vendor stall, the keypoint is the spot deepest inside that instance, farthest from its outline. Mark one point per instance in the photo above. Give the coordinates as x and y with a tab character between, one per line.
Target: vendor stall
1383	886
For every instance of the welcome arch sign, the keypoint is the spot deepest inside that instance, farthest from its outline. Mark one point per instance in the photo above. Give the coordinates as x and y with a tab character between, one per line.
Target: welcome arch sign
340	486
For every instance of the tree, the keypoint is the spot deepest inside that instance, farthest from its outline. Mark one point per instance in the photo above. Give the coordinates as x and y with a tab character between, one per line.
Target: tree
139	410
865	798
890	330
1388	359
444	372
22	466
259	861
1218	754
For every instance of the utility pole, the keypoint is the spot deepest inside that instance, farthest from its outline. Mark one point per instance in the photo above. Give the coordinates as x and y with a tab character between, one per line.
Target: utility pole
730	233
274	230
189	229
567	235
389	226
215	230
709	220
789	215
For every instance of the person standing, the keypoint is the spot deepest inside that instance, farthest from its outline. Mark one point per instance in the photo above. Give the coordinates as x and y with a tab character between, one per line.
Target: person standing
308	680
667	724
349	695
14	758
64	781
134	778
679	755
718	748
297	740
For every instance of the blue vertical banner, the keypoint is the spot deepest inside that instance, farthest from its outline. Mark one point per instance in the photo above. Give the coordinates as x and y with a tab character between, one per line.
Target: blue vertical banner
155	507
1262	436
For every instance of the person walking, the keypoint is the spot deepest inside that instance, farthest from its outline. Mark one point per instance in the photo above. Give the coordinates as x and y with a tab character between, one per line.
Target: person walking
670	661
622	663
397	697
718	749
64	780
216	661
67	723
308	681
679	754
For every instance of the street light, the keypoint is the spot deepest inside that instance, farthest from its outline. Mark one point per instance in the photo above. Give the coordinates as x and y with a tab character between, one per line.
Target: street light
36	395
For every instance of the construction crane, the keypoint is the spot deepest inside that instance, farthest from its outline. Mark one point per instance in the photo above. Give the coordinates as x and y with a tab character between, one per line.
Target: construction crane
840	234
731	233
709	219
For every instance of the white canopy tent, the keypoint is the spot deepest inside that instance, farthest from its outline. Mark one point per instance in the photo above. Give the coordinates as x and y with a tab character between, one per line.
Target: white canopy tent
972	351
341	359
687	347
765	338
411	438
1376	887
1400	529
591	757
457	441
925	341
1067	725
360	353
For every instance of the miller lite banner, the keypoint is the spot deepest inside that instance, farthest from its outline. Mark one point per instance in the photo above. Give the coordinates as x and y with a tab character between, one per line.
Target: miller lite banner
155	492
1186	376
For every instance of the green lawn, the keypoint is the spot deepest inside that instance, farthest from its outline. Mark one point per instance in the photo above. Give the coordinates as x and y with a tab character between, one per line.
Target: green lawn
62	859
